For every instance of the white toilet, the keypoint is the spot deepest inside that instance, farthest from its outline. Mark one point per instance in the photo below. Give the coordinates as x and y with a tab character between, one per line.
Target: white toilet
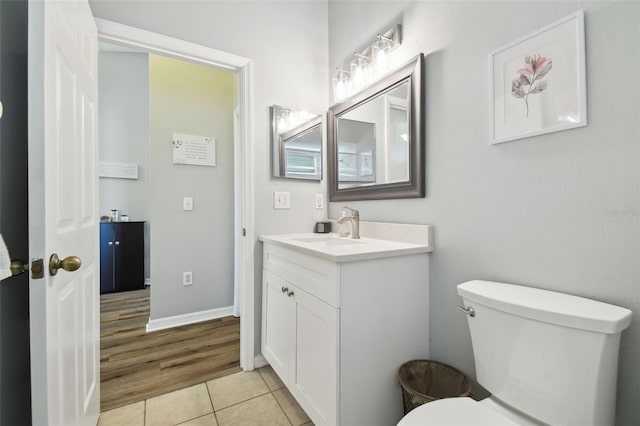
546	357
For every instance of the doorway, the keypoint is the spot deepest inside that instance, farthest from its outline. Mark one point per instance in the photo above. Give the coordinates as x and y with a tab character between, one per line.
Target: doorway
172	121
148	102
243	199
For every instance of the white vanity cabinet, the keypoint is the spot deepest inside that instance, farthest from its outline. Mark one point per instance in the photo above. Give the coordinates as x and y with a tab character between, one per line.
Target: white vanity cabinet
336	330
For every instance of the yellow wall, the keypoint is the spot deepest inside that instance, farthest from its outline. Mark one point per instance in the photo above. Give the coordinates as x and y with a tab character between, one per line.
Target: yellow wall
198	100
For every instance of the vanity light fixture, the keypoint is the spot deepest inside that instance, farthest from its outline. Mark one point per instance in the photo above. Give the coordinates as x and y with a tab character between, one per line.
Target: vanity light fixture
367	65
288	119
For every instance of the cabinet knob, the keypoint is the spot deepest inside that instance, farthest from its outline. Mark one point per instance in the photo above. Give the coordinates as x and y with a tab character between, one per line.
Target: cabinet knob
110	243
290	293
117	243
284	289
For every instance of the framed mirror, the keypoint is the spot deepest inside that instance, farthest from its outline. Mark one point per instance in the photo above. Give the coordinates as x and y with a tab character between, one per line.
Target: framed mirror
296	144
375	140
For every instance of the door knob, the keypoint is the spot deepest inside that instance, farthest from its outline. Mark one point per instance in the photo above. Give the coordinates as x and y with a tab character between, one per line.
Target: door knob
69	263
18	267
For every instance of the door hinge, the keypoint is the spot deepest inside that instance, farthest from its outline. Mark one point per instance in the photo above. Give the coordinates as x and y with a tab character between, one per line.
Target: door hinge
244	232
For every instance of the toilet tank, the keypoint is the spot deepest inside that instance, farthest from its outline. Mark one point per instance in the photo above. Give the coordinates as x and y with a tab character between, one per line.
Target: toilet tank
550	355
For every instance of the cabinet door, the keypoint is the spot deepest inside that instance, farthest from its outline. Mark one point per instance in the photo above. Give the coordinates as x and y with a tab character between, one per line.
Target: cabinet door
106	258
129	256
278	324
314	382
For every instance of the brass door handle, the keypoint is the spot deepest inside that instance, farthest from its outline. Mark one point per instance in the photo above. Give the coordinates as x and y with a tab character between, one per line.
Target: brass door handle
18	267
69	263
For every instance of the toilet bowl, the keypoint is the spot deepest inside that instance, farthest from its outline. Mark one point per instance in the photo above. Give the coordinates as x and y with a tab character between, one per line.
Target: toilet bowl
546	357
465	411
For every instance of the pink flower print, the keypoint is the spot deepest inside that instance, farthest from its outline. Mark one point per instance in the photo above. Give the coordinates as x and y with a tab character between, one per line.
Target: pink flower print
528	83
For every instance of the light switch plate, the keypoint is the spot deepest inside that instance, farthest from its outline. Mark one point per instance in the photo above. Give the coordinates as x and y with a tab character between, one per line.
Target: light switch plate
187	278
281	200
187	203
319	200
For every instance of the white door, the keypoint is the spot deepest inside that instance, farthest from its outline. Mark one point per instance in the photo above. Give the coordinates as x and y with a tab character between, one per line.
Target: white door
63	212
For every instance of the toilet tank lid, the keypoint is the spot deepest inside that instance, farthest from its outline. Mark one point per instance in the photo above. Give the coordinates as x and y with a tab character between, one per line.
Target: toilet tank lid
547	306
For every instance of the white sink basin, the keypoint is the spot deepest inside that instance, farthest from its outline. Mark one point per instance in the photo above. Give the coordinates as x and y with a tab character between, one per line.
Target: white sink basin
346	249
330	241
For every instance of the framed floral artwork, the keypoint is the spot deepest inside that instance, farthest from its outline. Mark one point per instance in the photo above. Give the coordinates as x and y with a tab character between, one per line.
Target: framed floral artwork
538	83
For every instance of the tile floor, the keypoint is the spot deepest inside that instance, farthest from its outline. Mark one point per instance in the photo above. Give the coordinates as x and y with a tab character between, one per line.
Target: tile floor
253	398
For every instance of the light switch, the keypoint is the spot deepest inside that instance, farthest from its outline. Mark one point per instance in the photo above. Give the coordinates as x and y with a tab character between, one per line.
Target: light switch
187	203
281	200
319	200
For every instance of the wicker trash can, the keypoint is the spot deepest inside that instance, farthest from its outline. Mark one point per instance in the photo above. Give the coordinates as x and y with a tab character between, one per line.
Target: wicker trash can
424	381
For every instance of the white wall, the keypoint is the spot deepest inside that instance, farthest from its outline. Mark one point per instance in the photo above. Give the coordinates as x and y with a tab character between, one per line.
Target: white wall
540	211
124	134
287	42
190	99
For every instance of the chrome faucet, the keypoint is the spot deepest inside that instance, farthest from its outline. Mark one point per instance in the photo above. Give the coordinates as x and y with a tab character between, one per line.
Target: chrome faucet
354	219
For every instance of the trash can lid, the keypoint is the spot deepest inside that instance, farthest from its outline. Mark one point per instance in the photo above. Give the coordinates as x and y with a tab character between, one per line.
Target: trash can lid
454	412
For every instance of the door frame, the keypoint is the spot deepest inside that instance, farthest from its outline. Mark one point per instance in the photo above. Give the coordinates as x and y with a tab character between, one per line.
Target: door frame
151	42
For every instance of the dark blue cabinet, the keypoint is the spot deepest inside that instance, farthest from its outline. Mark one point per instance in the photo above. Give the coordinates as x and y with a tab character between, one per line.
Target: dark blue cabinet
121	256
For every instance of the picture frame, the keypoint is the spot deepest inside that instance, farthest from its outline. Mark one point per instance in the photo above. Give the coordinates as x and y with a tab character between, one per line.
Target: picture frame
538	82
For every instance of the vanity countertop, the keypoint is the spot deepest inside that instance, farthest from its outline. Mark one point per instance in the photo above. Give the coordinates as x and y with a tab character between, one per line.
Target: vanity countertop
344	249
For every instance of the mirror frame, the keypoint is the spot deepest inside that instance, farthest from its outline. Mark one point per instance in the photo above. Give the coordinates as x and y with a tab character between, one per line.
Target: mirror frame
413	73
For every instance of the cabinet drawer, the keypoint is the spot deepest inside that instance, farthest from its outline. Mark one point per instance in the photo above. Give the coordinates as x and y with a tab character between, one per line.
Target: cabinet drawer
316	276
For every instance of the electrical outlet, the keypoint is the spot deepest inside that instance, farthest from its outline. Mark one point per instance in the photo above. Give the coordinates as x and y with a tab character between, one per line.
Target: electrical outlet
319	200
187	278
187	203
281	200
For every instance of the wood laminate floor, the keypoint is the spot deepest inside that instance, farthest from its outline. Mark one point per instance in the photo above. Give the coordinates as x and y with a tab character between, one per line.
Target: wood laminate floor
136	365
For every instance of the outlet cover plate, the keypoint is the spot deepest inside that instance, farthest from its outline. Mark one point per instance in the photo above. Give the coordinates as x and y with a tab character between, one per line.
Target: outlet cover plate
187	203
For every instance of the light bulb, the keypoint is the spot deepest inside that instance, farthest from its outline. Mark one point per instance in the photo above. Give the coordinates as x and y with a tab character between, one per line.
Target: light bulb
282	124
341	85
360	72
341	91
380	55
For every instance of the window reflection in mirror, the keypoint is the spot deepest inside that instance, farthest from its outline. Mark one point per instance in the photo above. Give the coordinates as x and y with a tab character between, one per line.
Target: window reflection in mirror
296	138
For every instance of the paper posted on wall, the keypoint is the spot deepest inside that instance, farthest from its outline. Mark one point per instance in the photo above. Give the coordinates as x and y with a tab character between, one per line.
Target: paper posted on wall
194	150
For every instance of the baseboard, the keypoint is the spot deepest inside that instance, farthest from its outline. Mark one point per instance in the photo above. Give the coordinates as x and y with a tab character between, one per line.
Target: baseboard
177	320
260	361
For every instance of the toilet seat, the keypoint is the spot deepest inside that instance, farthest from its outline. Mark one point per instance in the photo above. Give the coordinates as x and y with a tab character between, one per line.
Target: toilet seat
454	412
